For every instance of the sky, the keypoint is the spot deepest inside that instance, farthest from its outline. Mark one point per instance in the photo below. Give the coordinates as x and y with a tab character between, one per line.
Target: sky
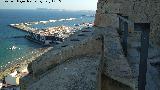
64	4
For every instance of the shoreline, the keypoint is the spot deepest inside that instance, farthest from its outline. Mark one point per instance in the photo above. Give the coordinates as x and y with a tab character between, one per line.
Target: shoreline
22	62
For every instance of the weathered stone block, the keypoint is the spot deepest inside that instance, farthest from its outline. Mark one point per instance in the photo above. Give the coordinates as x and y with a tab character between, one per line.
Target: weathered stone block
104	20
89	45
112	8
116	65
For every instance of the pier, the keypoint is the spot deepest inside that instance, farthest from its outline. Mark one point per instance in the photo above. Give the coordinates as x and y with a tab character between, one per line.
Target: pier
46	36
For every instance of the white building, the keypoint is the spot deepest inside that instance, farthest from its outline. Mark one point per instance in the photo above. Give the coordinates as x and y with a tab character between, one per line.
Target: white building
1	85
12	79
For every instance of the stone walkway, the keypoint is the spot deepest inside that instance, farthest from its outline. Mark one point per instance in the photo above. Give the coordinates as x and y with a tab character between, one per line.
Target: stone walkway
75	74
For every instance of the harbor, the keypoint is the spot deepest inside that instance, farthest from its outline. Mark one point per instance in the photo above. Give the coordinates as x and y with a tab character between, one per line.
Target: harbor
11	73
50	35
18	48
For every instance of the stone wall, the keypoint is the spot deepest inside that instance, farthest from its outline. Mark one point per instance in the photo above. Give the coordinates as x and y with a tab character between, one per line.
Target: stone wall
65	51
78	73
110	61
145	11
115	63
138	11
106	14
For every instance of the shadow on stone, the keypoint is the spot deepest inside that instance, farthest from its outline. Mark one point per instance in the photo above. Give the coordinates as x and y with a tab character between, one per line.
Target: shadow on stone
110	84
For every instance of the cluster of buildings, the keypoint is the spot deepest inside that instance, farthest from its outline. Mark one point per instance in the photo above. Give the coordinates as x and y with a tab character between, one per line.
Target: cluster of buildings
84	24
49	35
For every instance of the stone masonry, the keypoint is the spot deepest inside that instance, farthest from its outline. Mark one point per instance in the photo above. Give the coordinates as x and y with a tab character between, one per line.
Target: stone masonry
138	11
90	56
77	63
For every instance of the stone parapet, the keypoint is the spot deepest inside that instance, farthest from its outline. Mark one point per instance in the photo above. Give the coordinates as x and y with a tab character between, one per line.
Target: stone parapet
76	74
72	47
116	65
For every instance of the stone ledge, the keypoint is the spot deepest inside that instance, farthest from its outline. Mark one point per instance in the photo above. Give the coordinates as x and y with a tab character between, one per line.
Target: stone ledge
116	65
82	73
67	50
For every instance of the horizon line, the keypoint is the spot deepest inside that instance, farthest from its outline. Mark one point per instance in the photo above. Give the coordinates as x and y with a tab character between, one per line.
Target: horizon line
45	9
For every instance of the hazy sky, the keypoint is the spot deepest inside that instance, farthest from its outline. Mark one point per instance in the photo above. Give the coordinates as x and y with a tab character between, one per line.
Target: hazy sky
65	4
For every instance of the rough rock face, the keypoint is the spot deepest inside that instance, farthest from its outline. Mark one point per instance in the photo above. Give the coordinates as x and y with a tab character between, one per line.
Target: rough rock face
155	26
138	11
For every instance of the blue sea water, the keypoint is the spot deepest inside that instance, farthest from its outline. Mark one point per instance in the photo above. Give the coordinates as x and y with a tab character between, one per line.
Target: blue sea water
24	46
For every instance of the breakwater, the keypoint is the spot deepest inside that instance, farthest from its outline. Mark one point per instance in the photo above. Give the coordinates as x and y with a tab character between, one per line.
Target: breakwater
49	35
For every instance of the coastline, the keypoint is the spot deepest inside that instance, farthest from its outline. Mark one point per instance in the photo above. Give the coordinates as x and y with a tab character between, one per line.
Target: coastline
22	63
59	31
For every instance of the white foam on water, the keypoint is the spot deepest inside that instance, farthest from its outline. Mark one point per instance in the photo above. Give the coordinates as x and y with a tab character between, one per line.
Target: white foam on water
61	20
52	20
70	19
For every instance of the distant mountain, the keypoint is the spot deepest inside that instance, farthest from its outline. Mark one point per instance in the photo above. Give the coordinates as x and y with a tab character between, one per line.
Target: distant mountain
65	10
51	9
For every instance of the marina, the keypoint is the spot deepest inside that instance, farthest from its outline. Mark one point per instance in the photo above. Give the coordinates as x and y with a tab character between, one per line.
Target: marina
49	35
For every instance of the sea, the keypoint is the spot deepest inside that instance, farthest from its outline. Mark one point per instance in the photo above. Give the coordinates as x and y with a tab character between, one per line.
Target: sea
24	47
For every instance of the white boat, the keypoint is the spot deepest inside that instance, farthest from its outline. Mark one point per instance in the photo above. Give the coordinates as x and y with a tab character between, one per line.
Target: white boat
44	22
13	48
12	24
52	20
61	19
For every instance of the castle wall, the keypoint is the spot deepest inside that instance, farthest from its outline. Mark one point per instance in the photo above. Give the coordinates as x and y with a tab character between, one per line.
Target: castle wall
138	11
